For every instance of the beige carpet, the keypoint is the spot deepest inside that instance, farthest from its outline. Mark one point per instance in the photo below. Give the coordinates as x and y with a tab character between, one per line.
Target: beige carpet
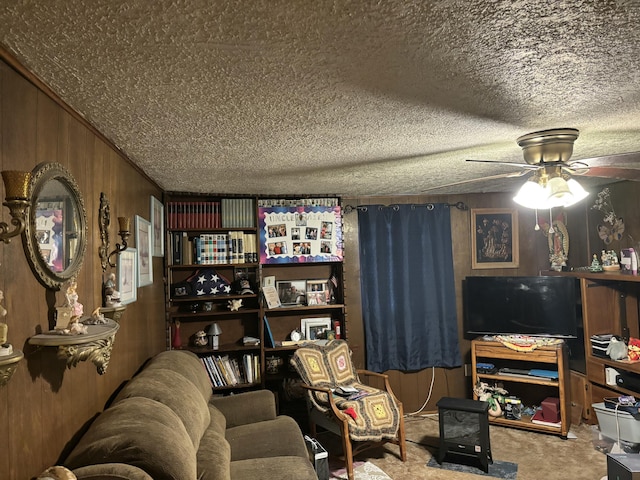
538	455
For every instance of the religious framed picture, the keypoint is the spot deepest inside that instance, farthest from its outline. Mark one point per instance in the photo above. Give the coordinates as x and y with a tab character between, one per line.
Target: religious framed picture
494	238
127	275
143	244
157	227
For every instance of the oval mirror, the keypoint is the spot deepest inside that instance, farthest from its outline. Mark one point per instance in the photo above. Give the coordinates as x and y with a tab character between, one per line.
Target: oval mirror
55	236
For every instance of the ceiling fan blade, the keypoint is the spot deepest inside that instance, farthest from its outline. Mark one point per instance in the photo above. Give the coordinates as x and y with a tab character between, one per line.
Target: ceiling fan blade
610	160
618	173
483	179
498	162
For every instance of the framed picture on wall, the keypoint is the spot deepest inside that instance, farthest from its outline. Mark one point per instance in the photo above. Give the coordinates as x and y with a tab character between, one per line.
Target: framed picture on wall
494	238
143	244
127	275
157	227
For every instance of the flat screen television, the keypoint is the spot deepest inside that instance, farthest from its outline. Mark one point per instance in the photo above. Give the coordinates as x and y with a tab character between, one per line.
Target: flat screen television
540	306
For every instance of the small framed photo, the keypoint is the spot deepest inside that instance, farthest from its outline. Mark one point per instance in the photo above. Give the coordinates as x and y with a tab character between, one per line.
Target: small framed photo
292	292
127	275
495	238
315	328
143	244
157	227
317	292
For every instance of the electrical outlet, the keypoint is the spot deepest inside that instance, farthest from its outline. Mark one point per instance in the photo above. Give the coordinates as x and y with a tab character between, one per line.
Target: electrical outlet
467	369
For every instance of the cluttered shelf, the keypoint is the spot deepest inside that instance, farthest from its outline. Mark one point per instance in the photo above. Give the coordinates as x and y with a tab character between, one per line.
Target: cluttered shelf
502	377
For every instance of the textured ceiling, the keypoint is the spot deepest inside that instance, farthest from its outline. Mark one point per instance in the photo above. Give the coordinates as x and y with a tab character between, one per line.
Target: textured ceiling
340	97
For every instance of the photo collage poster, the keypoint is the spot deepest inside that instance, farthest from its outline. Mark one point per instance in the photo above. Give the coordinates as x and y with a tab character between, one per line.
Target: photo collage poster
299	231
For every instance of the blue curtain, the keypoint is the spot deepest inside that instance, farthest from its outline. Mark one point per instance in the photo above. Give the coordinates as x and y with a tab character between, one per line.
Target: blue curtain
408	288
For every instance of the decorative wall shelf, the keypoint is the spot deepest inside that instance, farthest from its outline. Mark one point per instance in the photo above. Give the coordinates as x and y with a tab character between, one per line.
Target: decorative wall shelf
95	345
8	365
114	313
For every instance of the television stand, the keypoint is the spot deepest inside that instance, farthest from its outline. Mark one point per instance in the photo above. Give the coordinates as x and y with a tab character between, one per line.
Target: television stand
532	390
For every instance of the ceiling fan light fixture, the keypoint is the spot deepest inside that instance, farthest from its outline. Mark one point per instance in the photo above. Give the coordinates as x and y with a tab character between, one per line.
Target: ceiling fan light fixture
578	192
532	195
558	190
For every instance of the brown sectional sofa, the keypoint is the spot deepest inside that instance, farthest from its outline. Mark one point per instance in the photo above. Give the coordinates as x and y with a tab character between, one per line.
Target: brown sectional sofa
165	424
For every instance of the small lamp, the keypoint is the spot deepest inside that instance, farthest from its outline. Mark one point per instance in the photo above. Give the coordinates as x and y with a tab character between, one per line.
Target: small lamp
16	186
213	331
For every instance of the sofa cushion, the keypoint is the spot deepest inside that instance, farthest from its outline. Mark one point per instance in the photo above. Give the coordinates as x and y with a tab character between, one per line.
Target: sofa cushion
186	364
273	438
270	468
143	433
246	407
177	393
111	471
214	457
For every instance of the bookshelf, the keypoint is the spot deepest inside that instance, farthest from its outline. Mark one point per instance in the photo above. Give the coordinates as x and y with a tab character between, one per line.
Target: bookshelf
231	238
211	262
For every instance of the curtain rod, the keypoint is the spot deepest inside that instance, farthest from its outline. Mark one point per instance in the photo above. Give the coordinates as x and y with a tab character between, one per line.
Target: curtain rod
430	206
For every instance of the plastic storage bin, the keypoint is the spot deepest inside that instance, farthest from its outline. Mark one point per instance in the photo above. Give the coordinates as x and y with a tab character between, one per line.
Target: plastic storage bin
609	420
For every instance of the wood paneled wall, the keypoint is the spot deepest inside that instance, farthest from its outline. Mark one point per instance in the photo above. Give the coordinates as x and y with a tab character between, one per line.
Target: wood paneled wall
45	404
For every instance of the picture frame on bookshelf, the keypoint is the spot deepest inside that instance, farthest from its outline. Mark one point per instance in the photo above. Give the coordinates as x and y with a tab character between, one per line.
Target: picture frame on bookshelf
494	243
157	226
317	292
315	328
127	276
271	296
292	292
143	245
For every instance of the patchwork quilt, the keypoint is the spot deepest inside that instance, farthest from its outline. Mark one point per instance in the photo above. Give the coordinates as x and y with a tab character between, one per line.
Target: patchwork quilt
373	413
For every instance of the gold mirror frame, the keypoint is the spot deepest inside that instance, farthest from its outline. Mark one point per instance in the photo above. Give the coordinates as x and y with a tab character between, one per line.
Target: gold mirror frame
43	174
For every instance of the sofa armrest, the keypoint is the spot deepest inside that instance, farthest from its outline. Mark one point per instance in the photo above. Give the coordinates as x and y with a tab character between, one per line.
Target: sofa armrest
111	471
247	407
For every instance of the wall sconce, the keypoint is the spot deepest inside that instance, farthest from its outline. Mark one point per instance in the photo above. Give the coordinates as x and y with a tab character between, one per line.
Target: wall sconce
125	225
16	186
213	331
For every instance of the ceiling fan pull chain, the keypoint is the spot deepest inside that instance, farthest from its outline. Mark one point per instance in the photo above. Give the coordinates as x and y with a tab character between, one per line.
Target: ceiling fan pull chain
551	229
537	227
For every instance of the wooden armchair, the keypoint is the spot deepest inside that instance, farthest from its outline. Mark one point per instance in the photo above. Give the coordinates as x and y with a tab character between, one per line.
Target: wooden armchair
364	419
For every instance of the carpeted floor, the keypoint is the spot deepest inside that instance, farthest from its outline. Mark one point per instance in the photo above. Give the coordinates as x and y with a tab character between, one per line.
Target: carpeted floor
537	455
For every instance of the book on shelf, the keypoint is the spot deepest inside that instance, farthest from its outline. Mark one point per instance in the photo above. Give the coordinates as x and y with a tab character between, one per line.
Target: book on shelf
539	420
213	248
268	336
290	343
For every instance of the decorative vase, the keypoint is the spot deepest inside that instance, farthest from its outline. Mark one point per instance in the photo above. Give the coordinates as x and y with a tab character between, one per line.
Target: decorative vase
175	341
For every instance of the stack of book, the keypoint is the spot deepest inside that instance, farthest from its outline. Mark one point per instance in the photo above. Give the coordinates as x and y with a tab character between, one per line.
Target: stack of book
203	215
225	371
214	248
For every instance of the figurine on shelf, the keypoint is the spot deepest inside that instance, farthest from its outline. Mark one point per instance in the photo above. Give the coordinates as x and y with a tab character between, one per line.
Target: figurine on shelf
97	318
111	295
595	264
200	339
5	348
234	305
72	299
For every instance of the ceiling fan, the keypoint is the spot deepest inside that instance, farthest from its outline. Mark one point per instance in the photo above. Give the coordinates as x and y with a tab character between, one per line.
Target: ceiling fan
547	154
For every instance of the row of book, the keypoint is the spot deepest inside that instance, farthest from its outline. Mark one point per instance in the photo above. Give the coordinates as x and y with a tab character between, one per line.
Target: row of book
298	202
227	371
214	248
202	215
